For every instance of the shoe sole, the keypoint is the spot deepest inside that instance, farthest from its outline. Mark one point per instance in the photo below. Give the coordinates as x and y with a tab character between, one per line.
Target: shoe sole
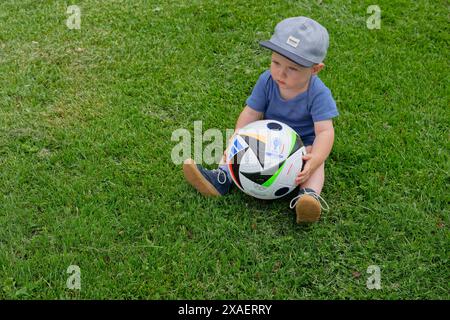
197	180
307	209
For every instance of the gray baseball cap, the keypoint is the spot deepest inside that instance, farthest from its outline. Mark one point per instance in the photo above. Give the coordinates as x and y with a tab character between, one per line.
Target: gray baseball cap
300	39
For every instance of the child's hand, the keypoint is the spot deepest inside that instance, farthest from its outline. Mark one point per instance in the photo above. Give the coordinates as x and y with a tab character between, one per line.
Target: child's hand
308	169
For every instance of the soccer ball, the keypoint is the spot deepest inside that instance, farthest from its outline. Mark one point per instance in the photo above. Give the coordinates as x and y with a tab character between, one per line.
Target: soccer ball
264	159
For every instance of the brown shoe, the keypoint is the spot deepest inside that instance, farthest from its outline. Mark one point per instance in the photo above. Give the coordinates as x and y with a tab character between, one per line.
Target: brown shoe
307	206
307	209
207	182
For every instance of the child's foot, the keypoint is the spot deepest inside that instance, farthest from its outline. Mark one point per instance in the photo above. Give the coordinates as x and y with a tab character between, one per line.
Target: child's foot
207	182
307	206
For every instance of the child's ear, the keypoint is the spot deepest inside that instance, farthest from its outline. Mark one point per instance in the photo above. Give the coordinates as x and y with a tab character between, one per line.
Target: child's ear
317	67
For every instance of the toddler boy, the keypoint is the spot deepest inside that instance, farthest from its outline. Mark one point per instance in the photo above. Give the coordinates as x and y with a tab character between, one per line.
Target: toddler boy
290	92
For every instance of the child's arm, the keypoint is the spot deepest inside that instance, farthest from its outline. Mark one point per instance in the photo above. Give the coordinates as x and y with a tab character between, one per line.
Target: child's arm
321	148
247	116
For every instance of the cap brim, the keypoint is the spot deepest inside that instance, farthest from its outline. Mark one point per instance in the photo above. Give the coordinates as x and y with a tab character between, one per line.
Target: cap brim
287	54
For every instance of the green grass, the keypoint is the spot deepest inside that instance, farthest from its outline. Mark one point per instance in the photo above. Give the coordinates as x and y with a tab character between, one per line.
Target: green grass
86	177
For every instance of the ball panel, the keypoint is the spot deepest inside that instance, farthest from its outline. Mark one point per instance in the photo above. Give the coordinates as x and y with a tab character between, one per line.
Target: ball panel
234	165
273	178
256	177
296	143
293	166
258	146
255	190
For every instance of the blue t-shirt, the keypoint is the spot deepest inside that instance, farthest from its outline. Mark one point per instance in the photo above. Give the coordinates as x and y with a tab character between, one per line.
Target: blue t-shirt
300	112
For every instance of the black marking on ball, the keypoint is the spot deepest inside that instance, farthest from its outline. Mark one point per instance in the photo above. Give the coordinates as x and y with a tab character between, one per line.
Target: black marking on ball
282	191
274	126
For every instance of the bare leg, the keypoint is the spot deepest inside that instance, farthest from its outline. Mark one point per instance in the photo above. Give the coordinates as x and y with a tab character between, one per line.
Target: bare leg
308	208
317	179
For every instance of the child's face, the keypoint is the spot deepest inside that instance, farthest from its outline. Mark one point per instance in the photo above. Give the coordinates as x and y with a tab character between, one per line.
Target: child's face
289	75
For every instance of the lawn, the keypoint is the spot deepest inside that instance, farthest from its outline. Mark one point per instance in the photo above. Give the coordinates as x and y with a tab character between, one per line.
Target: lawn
86	176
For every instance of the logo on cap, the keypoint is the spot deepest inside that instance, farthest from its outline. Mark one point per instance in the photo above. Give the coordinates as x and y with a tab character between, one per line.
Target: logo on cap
292	41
